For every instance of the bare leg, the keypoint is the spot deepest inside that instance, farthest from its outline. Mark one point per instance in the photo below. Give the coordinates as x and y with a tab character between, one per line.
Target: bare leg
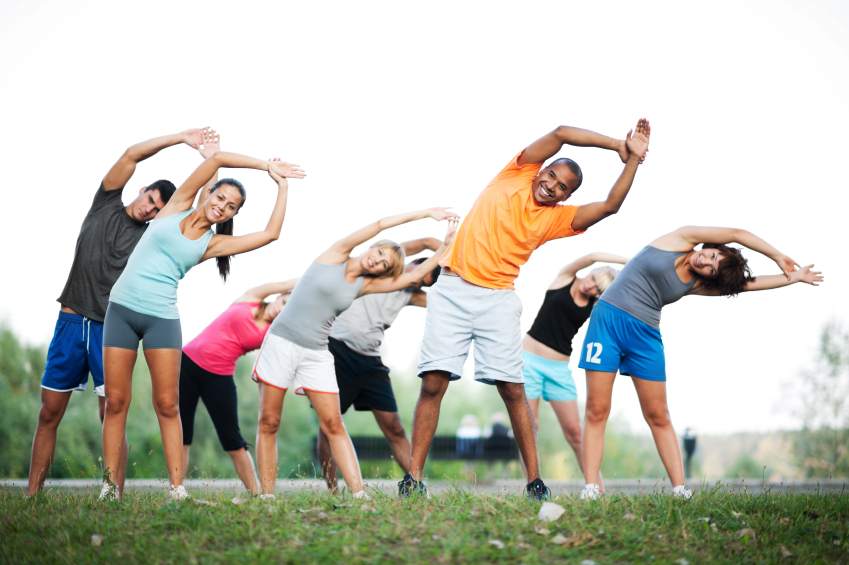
326	462
391	426
652	396
570	422
121	473
270	408
534	404
426	417
186	449
164	367
53	405
118	380
522	420
599	392
245	469
330	420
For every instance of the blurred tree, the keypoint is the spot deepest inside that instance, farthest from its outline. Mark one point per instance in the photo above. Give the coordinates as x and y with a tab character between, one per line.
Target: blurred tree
820	399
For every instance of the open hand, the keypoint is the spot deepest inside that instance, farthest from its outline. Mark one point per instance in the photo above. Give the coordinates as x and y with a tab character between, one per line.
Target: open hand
284	169
441	213
193	137
638	144
806	275
277	177
211	143
786	264
451	232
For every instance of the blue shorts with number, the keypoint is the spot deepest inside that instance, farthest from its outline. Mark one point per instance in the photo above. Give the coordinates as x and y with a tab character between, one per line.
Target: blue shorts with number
617	341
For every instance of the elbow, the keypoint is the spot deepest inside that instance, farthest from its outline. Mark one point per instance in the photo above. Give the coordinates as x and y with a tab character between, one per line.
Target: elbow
562	132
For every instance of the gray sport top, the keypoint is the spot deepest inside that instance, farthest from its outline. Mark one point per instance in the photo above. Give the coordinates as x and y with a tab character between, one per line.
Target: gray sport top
361	327
320	295
647	283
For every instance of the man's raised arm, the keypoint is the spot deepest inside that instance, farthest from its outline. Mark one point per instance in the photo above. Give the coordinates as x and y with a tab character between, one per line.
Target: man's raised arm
120	173
548	145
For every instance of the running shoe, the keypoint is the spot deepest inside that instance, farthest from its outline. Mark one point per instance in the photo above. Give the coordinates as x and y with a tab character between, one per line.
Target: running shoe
362	495
109	492
409	486
267	497
179	493
682	492
590	492
537	491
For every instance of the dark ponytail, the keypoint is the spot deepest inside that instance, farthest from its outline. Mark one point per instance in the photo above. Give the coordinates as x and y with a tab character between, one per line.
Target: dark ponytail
226	228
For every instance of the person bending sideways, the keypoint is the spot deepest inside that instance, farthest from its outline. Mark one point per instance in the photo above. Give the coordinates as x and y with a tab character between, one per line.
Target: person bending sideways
143	302
624	330
208	364
109	233
295	352
547	347
474	300
362	377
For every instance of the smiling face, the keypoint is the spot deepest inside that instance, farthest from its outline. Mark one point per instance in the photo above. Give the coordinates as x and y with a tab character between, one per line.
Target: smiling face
589	286
554	184
223	203
146	205
377	261
705	262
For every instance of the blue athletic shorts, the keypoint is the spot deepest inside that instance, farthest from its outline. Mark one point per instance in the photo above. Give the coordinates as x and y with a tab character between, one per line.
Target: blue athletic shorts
75	351
548	379
617	341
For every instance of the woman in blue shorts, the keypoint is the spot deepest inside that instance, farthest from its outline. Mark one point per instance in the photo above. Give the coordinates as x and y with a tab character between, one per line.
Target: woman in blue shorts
624	330
143	302
547	347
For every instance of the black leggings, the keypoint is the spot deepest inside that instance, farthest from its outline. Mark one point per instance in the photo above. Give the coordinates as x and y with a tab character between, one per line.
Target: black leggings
219	396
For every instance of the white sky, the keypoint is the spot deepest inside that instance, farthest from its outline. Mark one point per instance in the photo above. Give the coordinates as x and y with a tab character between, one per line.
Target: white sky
394	106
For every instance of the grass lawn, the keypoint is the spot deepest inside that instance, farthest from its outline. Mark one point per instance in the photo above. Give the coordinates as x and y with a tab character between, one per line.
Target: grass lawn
458	527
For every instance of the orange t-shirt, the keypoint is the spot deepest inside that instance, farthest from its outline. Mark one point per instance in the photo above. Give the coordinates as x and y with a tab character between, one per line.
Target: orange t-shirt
504	227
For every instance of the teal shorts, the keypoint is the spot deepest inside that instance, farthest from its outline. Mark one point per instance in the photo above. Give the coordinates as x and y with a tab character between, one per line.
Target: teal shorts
547	379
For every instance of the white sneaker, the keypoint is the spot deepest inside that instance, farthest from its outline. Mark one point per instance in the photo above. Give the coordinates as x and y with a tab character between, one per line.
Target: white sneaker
682	492
362	495
179	493
590	492
267	497
109	492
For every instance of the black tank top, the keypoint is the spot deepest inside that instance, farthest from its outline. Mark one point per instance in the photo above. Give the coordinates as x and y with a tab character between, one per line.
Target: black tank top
559	319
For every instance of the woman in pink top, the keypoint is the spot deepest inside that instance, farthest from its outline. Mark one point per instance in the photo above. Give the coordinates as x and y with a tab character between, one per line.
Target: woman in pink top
208	364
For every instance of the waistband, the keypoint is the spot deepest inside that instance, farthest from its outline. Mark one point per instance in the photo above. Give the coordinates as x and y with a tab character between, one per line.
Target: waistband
543	360
76	318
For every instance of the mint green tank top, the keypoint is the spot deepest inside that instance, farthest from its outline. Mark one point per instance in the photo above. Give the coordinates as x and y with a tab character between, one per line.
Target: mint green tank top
162	257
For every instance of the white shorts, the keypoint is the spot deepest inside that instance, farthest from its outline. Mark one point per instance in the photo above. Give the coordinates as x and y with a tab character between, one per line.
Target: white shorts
284	365
458	313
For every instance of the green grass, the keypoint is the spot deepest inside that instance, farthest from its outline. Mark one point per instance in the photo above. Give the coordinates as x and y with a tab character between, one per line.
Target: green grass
453	528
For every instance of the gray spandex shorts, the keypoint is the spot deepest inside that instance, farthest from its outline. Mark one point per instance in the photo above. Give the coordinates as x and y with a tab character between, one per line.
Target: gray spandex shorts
124	328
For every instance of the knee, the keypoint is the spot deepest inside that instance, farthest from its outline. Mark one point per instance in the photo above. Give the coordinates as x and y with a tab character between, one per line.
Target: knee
433	386
167	406
49	416
597	412
511	392
573	434
269	424
658	417
395	429
116	404
333	426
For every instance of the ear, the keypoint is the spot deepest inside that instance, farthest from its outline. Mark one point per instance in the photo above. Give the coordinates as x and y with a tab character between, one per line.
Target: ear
142	189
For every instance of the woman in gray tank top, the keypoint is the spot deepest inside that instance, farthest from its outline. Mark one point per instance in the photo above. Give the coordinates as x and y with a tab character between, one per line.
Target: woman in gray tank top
624	331
294	353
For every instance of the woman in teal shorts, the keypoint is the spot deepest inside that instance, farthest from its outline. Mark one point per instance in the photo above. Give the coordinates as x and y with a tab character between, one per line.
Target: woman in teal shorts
143	302
547	347
624	331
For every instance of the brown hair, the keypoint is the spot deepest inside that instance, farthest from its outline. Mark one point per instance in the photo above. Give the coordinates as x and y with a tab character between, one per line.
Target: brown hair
733	272
260	310
398	252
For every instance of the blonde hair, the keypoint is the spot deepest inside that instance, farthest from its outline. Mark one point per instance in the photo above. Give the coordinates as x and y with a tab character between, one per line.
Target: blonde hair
397	252
603	277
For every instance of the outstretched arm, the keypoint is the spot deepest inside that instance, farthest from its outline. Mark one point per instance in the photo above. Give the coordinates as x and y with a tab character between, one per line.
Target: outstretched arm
377	285
211	145
263	291
768	282
120	173
550	144
341	250
228	245
687	237
572	268
590	214
416	246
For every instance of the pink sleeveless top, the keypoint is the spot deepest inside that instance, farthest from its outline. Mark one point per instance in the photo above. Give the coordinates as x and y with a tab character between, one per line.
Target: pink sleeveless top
228	337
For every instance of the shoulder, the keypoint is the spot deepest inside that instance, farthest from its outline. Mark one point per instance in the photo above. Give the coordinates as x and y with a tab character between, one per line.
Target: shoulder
514	168
104	197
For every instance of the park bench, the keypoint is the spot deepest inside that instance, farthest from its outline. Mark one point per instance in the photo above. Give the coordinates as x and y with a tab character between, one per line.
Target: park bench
444	448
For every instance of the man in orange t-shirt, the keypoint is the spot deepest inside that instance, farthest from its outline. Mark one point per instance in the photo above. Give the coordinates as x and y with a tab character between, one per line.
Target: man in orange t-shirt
474	298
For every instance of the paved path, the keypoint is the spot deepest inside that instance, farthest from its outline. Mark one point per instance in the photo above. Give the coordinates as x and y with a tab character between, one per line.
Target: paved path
506	486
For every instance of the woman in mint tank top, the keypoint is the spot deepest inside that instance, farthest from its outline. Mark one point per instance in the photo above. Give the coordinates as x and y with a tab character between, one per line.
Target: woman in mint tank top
624	330
143	302
295	355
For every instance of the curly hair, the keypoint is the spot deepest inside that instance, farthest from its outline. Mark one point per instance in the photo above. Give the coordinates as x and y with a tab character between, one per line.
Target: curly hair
733	273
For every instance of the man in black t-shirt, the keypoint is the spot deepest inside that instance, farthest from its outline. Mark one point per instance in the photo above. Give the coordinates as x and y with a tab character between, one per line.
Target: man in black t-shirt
109	233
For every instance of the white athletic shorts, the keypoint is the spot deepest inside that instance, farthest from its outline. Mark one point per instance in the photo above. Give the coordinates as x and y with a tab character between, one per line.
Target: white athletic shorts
458	313
284	365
